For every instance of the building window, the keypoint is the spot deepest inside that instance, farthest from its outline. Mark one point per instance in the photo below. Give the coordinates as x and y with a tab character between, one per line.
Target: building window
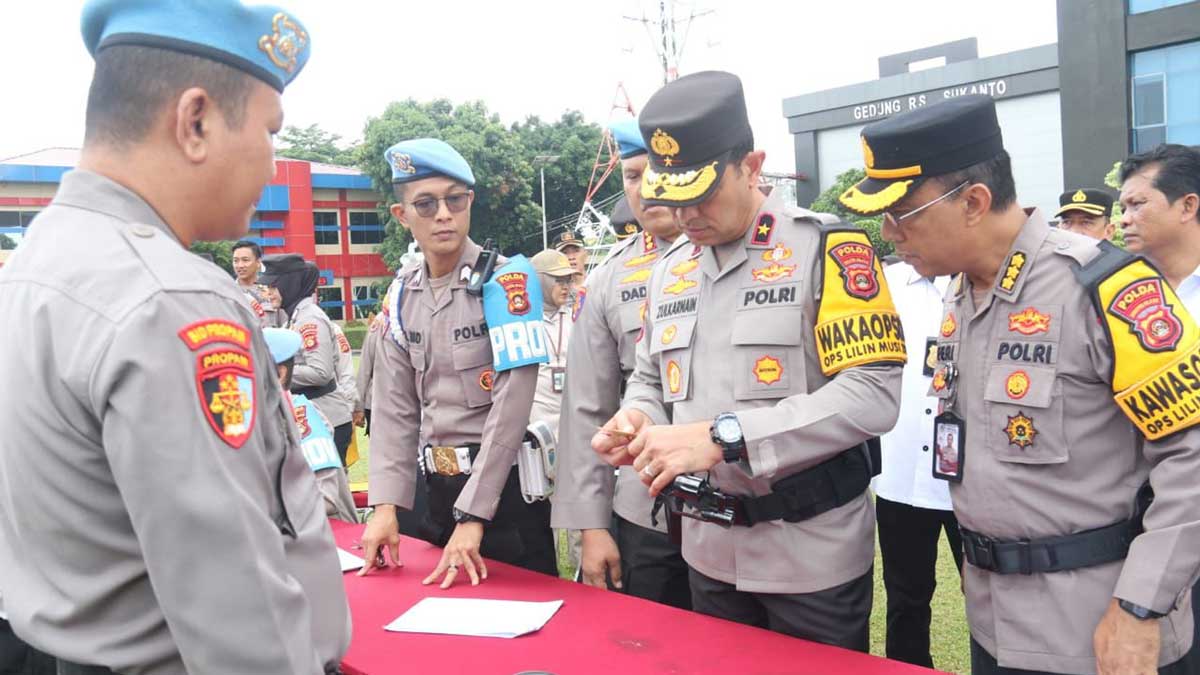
330	299
1165	88
13	225
325	228
366	301
1139	6
365	227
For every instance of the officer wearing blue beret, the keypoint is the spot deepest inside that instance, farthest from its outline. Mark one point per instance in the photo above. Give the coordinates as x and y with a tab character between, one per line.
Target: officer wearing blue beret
444	402
167	521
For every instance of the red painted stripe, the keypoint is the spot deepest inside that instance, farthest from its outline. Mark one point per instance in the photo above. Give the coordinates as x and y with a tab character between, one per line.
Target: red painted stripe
25	201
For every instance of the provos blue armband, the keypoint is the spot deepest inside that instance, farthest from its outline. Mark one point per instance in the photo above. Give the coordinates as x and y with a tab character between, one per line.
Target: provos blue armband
514	321
316	438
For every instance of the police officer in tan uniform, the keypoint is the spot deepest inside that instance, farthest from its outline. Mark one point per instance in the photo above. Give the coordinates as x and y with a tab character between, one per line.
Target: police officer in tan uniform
158	516
1067	378
771	354
641	559
438	394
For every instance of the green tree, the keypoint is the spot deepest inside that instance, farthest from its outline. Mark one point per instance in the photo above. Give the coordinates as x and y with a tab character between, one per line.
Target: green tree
504	207
314	144
574	140
221	252
7	243
1113	180
827	202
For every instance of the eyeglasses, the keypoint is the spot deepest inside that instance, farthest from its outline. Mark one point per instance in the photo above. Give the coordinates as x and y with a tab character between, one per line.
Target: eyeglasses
564	281
427	207
894	220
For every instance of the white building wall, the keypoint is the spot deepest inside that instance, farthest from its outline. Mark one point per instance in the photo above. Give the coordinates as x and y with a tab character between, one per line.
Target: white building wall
1032	128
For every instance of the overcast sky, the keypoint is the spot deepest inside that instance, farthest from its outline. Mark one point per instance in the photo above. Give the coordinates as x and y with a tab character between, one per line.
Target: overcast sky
524	57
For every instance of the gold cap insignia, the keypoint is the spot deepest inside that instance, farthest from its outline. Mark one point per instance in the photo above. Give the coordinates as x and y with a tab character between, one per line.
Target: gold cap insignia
286	42
402	163
664	145
868	155
1078	197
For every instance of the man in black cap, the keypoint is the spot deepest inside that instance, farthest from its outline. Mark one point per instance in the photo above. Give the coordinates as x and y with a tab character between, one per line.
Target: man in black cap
769	384
1086	211
1068	571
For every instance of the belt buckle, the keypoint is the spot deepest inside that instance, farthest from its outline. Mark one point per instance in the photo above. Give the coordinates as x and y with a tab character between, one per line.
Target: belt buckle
985	552
445	460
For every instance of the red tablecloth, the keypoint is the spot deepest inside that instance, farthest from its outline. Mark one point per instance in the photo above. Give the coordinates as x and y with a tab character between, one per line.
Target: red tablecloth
594	632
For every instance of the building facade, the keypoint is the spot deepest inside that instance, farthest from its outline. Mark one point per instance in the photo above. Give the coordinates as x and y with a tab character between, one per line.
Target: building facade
328	214
1123	77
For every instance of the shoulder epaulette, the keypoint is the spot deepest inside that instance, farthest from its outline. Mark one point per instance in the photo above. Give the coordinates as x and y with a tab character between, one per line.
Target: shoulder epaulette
1110	259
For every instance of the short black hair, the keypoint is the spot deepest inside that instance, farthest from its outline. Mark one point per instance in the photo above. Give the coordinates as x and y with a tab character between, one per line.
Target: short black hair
738	152
246	243
132	84
996	173
1178	169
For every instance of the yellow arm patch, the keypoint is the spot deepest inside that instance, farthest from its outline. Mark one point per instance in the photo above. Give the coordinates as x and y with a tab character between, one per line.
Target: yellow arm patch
1156	350
857	323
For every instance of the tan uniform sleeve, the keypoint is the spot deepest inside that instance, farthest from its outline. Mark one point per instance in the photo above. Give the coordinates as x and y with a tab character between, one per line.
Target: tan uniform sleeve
644	390
585	483
1163	562
191	496
395	428
503	433
366	365
317	365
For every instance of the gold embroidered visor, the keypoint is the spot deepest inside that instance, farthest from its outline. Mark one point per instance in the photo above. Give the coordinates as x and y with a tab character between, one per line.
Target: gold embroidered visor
681	186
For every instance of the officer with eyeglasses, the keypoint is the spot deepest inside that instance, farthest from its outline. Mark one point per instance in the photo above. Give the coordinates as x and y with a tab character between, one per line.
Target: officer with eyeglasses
1066	373
440	403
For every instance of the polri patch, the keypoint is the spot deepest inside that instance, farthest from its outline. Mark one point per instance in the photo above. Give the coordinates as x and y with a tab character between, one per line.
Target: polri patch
514	284
856	263
309	336
1028	321
225	385
208	331
1020	430
1143	305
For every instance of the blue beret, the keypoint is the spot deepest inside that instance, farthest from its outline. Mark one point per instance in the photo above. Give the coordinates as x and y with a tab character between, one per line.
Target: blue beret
264	41
424	157
282	343
629	138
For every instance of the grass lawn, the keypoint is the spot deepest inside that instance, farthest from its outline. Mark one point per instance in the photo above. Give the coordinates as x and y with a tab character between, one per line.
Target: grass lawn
949	638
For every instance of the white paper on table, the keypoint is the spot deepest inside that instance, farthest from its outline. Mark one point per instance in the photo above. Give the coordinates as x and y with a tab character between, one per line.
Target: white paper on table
478	618
350	561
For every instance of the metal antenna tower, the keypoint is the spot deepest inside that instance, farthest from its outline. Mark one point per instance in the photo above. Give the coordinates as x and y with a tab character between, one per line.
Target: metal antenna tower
664	35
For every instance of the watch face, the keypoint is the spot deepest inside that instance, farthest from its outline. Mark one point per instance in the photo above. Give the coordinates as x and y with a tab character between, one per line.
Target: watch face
729	430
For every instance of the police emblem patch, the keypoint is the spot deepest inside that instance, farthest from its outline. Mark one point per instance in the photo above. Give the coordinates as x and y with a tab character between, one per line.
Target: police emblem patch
308	335
949	325
1143	305
257	307
285	43
1020	430
1017	384
1078	197
514	286
343	343
580	296
775	271
857	267
487	379
300	412
768	370
1028	321
225	385
674	377
668	334
402	163
665	146
208	331
763	230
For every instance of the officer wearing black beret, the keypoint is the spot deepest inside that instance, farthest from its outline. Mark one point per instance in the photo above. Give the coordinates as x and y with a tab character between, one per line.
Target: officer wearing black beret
1087	211
744	376
1050	349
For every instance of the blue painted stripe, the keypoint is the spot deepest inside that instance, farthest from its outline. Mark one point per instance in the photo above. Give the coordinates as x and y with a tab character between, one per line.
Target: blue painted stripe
341	181
274	198
267	241
325	228
332	303
360	303
366	228
31	173
266	225
15	229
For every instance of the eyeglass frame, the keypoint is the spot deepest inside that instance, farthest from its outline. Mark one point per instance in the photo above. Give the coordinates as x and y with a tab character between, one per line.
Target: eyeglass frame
887	215
437	201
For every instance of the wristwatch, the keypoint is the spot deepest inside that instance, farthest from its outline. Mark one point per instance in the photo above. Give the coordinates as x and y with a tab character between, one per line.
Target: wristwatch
1138	611
726	432
461	516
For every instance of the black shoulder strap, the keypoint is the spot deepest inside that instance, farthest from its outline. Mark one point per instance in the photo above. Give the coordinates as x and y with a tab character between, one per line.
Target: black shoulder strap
1101	267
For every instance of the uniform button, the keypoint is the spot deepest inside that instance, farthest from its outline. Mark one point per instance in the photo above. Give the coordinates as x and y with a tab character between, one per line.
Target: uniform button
924	448
928	411
143	231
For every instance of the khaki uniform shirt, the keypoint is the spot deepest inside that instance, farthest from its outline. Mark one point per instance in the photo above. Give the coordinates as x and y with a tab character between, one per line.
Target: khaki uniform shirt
741	339
547	403
316	364
366	360
344	370
139	529
439	388
259	305
1048	453
600	359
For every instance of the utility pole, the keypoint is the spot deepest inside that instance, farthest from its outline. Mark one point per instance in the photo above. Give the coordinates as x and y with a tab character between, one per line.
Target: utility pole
541	161
664	35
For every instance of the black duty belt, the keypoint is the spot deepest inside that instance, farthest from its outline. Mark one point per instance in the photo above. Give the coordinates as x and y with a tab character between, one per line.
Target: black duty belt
824	487
316	392
1056	554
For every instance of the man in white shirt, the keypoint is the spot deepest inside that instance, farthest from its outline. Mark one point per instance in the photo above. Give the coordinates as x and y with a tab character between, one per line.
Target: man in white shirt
556	276
911	506
1160	201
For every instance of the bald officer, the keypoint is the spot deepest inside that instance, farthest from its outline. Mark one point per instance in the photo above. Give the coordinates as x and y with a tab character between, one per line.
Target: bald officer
167	521
771	353
589	497
444	403
1066	373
